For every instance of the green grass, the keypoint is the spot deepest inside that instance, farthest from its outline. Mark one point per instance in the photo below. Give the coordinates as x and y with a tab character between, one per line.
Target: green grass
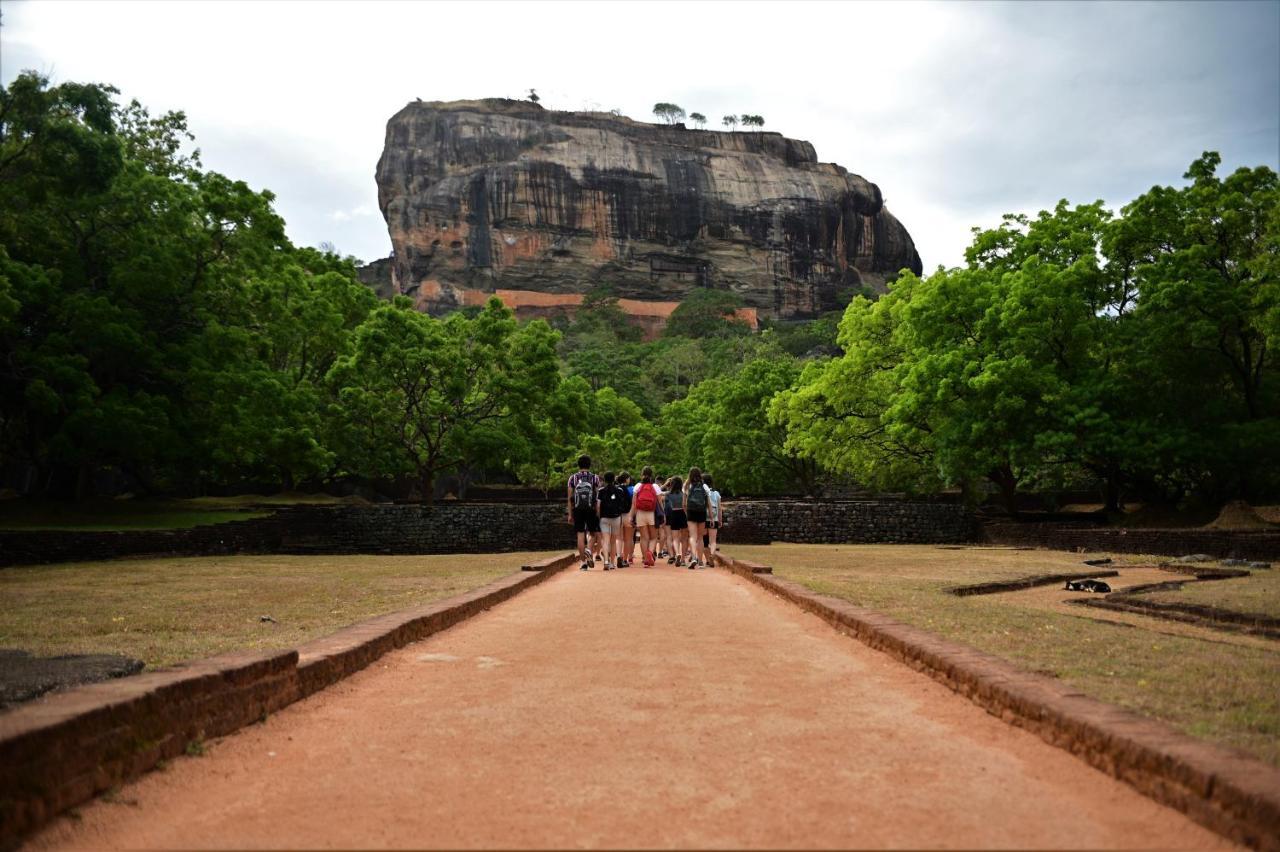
1258	593
1226	693
164	611
107	515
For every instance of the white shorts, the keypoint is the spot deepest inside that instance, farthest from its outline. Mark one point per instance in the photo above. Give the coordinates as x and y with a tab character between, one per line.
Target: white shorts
611	526
644	519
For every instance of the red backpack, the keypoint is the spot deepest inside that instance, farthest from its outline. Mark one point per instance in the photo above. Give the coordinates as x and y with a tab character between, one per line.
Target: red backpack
646	497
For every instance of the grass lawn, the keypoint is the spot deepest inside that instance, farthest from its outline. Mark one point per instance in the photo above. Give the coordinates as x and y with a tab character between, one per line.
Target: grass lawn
1258	593
1220	691
164	611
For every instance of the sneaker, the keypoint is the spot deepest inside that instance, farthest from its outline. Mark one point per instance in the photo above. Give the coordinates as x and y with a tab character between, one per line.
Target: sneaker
693	564
622	563
599	558
586	566
679	561
671	560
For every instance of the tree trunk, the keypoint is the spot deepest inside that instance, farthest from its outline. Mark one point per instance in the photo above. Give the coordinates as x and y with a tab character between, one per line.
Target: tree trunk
1003	477
1111	487
84	483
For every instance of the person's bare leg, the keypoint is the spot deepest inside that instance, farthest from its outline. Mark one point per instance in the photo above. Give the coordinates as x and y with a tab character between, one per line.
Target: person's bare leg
695	536
712	534
582	546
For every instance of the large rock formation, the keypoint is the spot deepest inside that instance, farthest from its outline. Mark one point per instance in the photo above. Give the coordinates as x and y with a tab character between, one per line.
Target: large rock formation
501	196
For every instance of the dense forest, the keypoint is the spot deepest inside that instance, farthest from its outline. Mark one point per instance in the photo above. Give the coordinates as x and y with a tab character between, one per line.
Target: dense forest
156	322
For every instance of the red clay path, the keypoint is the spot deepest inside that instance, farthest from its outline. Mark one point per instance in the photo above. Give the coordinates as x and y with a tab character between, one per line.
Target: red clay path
637	708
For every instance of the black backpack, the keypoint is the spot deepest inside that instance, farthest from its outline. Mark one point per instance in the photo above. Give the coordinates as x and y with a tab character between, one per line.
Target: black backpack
612	500
698	500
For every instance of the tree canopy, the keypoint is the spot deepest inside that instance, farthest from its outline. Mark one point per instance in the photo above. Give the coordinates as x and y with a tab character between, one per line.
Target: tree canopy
670	113
156	321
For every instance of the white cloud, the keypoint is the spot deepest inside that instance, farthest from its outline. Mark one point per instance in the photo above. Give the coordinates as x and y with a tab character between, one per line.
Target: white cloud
357	212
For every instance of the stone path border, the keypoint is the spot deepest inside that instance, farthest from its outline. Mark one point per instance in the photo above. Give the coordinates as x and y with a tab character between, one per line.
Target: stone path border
1021	583
1226	791
1201	615
66	748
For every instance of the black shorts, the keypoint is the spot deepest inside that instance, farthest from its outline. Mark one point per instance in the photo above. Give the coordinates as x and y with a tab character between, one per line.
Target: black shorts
678	521
658	519
697	516
585	520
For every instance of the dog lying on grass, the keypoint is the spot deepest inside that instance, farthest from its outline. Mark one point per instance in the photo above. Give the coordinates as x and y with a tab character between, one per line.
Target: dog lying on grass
1086	586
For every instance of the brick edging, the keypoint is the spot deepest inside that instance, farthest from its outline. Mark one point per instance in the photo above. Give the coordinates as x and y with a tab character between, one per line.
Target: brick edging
64	749
1226	791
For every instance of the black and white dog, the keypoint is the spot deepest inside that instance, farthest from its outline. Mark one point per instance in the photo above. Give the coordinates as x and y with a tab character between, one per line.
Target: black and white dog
1086	586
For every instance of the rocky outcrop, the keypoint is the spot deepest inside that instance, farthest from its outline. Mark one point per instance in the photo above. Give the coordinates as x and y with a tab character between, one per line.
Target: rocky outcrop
501	196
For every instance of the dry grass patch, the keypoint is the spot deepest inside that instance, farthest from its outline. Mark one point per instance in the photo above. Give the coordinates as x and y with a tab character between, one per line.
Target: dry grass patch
1222	692
164	611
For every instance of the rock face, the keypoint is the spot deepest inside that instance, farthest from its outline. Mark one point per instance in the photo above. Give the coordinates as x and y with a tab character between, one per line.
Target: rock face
540	207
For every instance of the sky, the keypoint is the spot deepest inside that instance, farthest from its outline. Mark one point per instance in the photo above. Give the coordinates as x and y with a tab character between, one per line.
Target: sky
960	111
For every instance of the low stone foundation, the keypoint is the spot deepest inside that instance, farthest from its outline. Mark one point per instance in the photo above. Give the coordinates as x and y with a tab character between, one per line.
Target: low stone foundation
1239	544
847	522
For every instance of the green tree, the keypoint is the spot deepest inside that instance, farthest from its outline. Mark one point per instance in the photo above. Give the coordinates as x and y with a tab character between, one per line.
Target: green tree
670	113
706	313
730	121
1202	262
415	389
698	119
127	257
725	428
1134	352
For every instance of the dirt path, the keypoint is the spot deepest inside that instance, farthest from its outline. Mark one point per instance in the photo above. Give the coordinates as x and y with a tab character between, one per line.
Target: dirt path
632	709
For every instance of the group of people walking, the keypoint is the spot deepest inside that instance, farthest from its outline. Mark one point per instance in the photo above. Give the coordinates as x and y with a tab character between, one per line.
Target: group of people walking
673	519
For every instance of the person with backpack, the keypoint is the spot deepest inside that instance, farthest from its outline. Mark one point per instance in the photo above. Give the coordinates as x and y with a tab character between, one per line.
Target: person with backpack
697	501
611	502
677	521
714	520
661	530
627	546
644	509
583	487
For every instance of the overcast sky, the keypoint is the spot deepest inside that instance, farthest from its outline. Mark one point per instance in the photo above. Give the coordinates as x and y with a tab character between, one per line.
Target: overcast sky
959	111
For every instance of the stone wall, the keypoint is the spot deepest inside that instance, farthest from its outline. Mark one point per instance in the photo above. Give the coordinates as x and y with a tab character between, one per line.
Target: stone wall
1239	544
22	547
441	528
841	522
483	528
